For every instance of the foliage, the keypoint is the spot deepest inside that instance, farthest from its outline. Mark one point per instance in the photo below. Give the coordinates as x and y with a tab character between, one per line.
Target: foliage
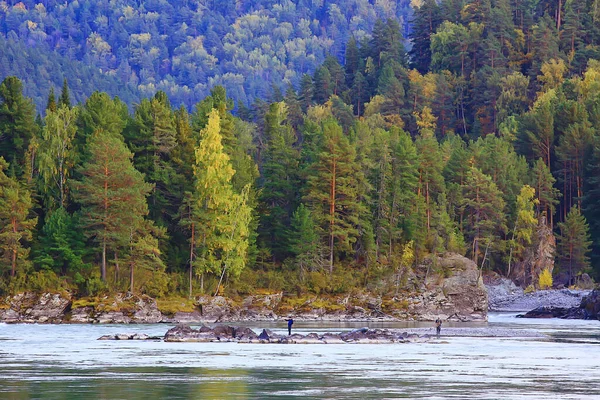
545	279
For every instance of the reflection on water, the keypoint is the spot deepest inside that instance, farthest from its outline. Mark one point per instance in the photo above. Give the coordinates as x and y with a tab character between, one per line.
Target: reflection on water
67	362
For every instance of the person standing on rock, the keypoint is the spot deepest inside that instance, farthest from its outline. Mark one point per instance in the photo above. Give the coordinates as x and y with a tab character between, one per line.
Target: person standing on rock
438	326
290	323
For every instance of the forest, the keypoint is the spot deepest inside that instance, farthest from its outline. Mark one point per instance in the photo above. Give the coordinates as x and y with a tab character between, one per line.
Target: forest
135	48
480	135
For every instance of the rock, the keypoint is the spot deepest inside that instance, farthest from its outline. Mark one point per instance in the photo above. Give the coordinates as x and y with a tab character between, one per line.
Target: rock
554	312
147	311
266	334
590	305
458	294
31	307
538	257
129	336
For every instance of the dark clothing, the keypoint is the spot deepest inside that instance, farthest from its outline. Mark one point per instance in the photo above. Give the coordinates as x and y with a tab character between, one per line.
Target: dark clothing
290	323
438	326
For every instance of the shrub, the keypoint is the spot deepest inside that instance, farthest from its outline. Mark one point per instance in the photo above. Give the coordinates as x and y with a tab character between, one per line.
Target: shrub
529	289
545	279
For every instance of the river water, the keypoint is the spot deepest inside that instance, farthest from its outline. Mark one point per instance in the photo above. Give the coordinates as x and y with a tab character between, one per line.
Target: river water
67	362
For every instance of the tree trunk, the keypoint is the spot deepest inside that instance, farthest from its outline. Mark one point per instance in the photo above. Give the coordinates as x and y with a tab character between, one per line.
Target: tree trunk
103	266
332	216
116	268
131	266
192	258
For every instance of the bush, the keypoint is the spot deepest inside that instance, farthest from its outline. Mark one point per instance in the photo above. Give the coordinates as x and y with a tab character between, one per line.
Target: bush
158	285
529	289
545	279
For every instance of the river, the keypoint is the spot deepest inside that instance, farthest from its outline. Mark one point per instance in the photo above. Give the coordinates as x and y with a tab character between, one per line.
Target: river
67	362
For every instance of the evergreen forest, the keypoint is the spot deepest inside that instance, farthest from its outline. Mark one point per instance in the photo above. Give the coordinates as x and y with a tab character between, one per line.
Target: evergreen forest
464	126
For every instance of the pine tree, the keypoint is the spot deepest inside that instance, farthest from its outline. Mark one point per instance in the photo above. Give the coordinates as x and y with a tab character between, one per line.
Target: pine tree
65	99
323	85
304	239
574	244
60	244
17	124
548	195
279	180
51	105
485	211
112	194
333	191
306	93
16	224
426	19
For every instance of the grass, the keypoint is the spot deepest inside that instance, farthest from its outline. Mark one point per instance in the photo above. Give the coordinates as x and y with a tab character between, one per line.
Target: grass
173	305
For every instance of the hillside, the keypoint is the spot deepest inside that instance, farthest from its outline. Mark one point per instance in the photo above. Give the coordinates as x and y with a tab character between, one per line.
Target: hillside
185	48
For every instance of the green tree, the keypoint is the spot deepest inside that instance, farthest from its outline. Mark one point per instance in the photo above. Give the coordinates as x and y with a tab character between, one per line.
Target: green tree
16	223
65	98
484	207
279	180
543	181
304	240
17	124
333	191
112	194
51	105
574	243
427	17
60	246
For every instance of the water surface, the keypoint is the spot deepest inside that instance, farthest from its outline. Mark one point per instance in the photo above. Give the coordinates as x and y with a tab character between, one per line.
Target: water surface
67	362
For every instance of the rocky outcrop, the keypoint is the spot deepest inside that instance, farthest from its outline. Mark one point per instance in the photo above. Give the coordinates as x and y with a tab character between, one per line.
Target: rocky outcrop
31	308
121	309
538	257
455	292
588	309
223	333
590	305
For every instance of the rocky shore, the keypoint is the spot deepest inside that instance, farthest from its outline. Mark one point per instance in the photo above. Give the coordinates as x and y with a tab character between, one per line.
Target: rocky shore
453	291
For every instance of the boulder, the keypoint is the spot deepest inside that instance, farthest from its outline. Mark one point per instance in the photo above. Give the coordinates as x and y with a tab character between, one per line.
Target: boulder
590	305
553	312
456	293
147	311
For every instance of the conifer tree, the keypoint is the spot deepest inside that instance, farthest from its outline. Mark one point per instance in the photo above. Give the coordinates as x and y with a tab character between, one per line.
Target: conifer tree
574	244
279	180
333	191
112	194
16	223
51	105
426	19
17	125
304	240
484	207
543	181
65	98
60	244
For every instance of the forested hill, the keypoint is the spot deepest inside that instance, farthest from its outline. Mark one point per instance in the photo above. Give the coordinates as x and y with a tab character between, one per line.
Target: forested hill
183	48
